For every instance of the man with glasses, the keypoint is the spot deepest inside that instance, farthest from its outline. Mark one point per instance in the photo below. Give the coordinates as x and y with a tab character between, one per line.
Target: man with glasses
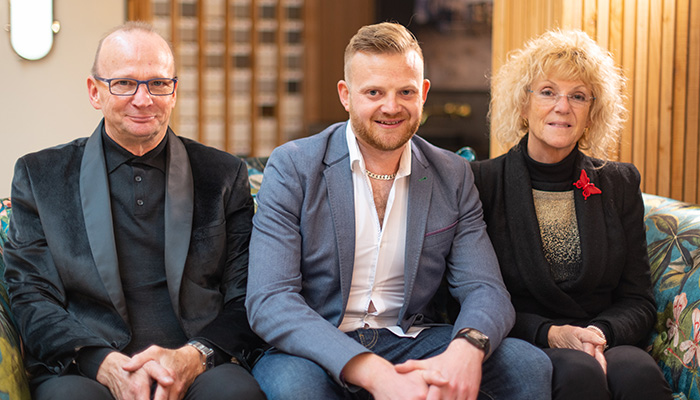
128	250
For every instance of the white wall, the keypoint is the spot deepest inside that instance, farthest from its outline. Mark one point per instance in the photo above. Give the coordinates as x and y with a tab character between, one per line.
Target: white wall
44	103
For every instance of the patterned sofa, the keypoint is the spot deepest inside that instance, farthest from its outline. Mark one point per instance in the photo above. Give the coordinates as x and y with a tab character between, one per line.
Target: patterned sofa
673	239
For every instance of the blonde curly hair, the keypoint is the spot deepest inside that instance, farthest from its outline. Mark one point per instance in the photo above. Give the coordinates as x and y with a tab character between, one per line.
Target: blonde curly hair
563	54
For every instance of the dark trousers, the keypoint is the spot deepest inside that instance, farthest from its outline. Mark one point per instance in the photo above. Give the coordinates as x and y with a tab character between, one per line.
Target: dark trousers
227	381
632	374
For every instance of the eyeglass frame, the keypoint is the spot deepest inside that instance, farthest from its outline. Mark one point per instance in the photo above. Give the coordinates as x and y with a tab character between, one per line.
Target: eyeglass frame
108	81
568	98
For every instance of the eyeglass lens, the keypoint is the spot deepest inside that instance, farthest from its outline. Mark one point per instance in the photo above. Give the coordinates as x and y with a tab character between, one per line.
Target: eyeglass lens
549	97
157	87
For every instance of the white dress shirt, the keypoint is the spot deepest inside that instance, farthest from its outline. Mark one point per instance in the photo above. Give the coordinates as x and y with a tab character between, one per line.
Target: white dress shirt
377	289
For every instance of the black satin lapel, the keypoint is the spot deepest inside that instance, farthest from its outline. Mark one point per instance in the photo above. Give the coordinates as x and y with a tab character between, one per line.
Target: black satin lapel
592	230
525	236
97	211
179	209
338	177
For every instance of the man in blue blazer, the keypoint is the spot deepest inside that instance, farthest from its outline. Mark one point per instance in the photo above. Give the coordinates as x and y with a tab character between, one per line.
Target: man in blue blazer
355	229
128	250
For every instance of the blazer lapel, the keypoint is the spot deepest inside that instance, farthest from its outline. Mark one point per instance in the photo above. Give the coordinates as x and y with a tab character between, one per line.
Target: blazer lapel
97	211
179	209
526	238
591	218
419	193
338	177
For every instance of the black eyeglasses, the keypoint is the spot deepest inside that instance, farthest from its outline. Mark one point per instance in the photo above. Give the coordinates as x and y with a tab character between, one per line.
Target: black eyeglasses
129	87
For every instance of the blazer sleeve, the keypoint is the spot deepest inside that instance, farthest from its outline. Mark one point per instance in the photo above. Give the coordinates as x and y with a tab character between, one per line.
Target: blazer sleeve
277	309
50	333
633	311
473	270
230	331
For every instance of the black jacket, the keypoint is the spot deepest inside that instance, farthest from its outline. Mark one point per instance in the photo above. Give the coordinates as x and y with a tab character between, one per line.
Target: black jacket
613	290
62	271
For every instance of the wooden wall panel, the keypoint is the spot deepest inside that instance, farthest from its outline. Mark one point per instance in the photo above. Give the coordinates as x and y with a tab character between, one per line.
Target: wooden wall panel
657	45
680	61
691	186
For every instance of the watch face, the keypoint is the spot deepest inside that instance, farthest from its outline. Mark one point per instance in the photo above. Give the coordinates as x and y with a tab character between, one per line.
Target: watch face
476	338
478	335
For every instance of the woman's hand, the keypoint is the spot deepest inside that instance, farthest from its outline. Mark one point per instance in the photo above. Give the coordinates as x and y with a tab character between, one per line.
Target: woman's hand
587	340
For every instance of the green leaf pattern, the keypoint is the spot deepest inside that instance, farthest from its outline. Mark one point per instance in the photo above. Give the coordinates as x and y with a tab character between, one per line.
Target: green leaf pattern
673	244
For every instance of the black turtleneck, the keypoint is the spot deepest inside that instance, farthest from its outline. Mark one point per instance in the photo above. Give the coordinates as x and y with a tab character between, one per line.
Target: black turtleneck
558	177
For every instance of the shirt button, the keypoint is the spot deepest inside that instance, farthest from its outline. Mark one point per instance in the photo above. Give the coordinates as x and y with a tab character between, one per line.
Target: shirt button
139	202
137	178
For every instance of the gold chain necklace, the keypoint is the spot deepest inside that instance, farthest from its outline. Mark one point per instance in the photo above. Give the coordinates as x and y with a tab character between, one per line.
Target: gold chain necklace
380	177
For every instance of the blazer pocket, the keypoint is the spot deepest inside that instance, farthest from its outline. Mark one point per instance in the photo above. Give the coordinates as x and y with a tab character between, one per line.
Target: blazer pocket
441	235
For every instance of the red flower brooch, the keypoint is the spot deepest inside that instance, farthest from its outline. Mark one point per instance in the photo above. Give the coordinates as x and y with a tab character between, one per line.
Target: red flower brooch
585	184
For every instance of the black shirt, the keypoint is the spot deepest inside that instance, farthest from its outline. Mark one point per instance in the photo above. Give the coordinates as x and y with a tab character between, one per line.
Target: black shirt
137	192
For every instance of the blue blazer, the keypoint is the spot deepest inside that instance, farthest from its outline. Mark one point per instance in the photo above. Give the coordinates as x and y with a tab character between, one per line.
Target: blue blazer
303	242
62	271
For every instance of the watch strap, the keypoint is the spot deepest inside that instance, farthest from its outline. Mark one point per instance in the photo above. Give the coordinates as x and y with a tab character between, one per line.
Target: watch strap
476	338
207	352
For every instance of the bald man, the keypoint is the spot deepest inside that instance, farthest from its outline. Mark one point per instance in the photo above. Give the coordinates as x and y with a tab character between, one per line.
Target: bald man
127	258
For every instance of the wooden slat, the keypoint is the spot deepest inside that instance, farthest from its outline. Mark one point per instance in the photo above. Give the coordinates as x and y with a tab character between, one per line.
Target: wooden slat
228	67
312	61
573	14
663	187
693	107
640	89
281	45
589	18
254	77
629	26
615	38
201	69
499	48
603	24
680	80
139	10
653	91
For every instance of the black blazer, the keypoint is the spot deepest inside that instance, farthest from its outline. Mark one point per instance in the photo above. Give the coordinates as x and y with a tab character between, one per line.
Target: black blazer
614	288
62	271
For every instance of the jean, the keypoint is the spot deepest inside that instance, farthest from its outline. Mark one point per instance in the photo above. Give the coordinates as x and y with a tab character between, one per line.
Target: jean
515	370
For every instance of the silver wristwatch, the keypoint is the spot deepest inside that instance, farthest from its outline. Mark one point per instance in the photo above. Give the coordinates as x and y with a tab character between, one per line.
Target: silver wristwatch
206	352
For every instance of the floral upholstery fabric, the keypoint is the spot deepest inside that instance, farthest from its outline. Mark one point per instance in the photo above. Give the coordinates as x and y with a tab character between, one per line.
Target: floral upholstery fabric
673	242
256	165
13	380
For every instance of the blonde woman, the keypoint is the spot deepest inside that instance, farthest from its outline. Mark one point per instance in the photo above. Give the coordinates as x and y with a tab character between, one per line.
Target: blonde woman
567	223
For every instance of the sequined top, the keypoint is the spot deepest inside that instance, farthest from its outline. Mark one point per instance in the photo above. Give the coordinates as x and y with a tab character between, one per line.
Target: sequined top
561	243
553	195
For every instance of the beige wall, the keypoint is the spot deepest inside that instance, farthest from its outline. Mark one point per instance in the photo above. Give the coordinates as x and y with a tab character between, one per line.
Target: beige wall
44	103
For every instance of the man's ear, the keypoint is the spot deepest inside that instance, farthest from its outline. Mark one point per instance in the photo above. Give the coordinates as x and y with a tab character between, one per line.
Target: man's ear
344	94
94	93
426	88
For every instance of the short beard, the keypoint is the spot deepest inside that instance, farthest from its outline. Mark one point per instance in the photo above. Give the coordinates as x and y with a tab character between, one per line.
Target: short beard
365	133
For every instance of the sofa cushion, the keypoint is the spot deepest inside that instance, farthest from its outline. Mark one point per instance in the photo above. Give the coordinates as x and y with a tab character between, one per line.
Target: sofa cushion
673	241
13	380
